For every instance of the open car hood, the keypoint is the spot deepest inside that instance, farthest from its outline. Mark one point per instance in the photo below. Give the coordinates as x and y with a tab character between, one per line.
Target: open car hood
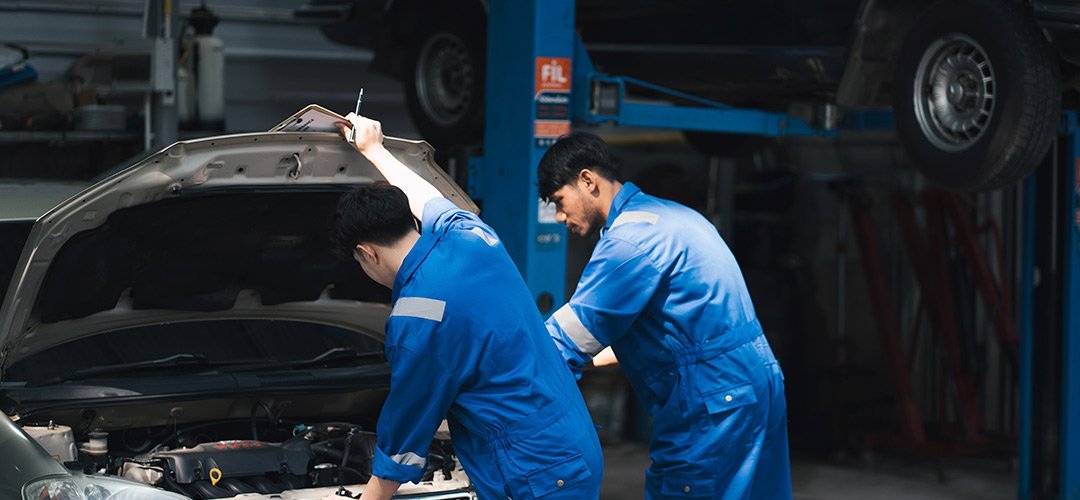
230	227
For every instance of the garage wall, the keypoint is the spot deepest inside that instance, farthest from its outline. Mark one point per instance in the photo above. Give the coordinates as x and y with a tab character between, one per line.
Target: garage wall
274	64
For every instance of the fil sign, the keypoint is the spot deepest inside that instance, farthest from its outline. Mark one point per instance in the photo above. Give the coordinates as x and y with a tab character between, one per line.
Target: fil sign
552	100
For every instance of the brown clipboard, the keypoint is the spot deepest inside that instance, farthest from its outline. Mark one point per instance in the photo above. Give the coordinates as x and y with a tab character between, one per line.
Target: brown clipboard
311	118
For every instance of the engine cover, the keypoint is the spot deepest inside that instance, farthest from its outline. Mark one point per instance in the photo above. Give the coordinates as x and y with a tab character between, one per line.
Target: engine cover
237	459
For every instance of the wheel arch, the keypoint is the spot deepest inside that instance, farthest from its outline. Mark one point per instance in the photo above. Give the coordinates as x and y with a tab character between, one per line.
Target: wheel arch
877	37
878	34
403	21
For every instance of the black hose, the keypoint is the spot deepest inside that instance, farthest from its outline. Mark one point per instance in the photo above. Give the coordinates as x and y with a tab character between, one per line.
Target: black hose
345	456
360	476
166	474
269	416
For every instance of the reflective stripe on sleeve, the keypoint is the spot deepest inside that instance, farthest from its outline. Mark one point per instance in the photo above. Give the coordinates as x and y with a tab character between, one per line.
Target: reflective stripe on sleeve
484	236
419	307
628	217
411	459
582	337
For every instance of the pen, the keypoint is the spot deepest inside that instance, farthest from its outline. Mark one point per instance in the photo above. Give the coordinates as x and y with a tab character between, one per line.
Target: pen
359	99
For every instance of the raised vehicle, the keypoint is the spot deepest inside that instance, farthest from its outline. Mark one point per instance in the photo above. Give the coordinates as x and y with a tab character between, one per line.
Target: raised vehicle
975	85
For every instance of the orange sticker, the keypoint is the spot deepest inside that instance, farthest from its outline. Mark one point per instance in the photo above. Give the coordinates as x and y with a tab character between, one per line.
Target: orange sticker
552	74
551	129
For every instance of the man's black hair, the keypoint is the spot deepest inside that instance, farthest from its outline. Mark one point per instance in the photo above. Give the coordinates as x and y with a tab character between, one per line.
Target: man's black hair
375	213
569	156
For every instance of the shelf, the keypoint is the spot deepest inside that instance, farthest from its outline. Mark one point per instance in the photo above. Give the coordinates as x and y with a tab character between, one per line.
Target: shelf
17	136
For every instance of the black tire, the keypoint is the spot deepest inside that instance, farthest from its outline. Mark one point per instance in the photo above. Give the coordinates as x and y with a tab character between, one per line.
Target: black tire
444	85
982	134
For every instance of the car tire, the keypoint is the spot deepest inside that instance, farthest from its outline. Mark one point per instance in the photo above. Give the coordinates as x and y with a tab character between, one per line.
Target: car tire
444	86
976	94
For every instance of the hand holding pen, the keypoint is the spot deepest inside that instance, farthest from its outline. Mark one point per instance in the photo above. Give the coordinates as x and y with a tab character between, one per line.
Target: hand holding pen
351	135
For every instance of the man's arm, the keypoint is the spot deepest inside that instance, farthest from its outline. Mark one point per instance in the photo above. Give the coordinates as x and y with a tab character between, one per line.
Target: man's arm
615	287
369	142
379	489
605	358
422	388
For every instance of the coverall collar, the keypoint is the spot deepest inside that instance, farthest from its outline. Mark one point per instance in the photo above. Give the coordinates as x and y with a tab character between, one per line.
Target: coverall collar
412	261
628	190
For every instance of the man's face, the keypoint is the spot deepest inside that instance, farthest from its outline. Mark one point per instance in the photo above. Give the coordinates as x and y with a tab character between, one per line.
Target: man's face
575	207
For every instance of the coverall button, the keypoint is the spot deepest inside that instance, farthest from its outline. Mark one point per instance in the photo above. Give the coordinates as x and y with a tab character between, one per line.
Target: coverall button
686	489
559	483
727	398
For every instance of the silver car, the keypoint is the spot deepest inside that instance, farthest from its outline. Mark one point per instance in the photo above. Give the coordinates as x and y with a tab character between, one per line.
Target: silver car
182	329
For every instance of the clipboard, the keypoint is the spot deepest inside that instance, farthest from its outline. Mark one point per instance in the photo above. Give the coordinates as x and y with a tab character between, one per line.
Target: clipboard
311	118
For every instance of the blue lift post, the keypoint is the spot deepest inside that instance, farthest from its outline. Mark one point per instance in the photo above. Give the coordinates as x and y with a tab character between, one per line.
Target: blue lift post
1027	306
527	106
1064	224
1070	321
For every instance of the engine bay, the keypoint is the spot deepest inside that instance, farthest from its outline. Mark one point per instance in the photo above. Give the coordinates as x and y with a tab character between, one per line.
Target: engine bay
265	456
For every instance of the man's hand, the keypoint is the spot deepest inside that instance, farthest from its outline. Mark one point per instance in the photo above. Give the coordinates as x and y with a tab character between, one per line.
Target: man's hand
604	358
379	489
368	132
369	142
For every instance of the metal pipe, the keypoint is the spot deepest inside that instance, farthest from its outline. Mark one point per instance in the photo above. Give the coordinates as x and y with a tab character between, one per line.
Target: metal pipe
234	13
69	49
252	53
866	236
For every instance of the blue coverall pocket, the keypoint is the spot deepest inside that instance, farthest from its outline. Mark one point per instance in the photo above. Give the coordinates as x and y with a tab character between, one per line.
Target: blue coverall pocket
688	487
730	398
558	476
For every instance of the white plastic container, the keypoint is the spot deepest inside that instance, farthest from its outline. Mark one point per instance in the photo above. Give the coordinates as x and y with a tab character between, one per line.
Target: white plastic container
210	81
58	440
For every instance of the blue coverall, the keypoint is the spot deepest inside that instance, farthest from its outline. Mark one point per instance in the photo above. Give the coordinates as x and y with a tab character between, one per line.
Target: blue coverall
663	289
466	341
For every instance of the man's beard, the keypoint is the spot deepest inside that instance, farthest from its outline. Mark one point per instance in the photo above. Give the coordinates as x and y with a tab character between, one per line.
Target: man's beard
595	219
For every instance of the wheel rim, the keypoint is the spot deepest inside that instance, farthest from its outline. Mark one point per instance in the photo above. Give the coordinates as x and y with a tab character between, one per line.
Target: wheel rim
444	79
954	92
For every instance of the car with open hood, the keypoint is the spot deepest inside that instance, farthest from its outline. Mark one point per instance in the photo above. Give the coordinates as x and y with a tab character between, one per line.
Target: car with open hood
182	328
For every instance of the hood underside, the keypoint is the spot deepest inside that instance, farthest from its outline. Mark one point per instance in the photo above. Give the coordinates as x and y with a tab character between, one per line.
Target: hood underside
197	252
223	227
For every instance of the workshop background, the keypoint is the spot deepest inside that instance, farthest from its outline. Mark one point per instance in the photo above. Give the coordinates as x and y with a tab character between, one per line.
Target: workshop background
896	308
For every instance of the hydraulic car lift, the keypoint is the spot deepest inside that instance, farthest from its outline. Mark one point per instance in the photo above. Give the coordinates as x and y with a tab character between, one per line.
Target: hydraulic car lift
1049	418
540	80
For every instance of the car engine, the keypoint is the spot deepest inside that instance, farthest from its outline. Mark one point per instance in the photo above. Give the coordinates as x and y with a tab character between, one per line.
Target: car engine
318	461
225	468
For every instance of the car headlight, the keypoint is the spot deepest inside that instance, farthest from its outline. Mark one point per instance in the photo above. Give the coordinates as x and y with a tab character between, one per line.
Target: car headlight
79	487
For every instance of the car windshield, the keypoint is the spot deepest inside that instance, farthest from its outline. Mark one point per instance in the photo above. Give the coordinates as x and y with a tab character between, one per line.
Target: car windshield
219	342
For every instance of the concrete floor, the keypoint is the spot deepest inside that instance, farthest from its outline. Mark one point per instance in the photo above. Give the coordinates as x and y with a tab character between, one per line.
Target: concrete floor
882	478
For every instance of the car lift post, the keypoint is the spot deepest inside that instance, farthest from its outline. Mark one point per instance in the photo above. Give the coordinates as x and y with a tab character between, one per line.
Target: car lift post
527	106
1049	420
1070	321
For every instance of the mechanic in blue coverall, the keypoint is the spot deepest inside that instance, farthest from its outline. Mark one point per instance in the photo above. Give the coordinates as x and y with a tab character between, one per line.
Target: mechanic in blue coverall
464	341
664	291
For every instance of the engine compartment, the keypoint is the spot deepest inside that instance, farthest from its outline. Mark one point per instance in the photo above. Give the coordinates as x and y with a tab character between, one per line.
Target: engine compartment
270	456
